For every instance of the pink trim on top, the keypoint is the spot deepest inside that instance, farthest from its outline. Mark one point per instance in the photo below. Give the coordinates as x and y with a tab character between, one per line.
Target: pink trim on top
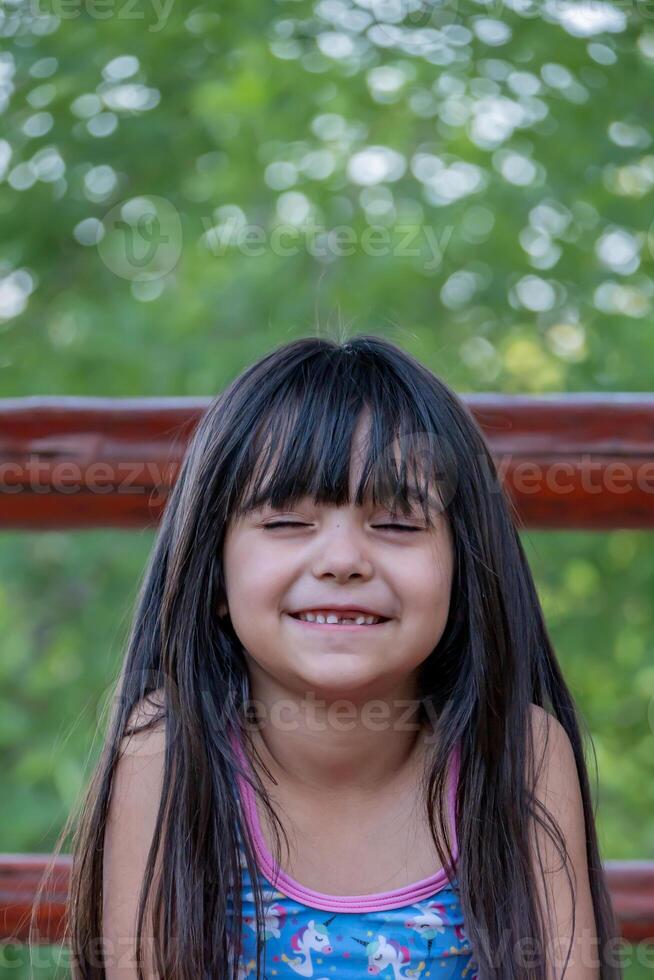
407	895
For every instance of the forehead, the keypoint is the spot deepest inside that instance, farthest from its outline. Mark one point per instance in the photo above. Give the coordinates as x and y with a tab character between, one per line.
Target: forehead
333	462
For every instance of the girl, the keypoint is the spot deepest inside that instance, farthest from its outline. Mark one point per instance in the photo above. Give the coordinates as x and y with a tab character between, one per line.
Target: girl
338	642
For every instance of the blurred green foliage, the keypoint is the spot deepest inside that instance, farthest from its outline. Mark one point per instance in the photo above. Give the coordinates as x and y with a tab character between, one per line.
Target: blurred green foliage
182	187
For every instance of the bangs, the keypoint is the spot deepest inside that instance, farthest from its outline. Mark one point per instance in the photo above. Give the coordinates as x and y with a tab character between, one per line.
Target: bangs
301	447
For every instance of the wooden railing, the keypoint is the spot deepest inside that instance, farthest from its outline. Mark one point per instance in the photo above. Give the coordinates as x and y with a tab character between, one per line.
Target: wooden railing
631	884
568	461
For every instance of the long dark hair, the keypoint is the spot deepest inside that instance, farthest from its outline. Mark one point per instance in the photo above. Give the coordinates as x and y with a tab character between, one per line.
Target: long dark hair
280	431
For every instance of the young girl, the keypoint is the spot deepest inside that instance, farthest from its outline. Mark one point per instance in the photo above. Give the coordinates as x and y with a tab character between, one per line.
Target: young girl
338	642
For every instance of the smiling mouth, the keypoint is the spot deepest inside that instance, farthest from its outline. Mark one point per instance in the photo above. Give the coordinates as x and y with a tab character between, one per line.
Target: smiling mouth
361	622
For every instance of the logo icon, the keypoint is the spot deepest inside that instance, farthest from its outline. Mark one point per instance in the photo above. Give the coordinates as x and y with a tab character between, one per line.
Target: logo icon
143	238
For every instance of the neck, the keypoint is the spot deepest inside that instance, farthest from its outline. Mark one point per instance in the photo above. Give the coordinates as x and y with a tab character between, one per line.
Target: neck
313	748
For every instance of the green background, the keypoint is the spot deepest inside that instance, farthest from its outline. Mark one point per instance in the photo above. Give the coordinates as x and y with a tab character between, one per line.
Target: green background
490	168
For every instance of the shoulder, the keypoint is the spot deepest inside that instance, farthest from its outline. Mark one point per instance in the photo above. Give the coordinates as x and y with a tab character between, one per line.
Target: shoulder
145	728
150	708
137	780
554	780
135	799
541	719
553	753
138	771
556	788
543	725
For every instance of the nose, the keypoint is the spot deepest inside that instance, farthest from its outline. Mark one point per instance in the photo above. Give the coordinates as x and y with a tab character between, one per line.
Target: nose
341	556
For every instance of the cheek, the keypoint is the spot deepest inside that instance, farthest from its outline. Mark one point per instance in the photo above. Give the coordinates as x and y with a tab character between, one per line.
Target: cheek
431	583
252	576
247	578
432	604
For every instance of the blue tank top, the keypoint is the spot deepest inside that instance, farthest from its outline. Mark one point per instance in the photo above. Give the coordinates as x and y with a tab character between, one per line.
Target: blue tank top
415	931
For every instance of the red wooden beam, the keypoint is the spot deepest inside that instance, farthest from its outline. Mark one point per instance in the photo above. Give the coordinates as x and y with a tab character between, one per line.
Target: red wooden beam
90	462
20	877
576	460
631	886
567	461
632	894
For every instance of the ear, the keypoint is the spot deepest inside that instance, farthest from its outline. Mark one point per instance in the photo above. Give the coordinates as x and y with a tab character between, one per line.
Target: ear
222	609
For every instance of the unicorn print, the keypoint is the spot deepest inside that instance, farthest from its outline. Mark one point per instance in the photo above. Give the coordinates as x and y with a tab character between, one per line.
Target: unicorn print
311	938
429	923
274	915
383	953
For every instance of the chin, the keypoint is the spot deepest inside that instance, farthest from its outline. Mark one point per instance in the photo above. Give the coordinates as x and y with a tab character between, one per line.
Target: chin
335	682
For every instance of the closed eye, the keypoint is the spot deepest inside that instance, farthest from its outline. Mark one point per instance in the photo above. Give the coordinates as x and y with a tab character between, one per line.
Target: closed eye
398	527
274	524
395	527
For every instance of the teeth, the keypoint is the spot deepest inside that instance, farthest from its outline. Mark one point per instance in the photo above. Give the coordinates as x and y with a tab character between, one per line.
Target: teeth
360	620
